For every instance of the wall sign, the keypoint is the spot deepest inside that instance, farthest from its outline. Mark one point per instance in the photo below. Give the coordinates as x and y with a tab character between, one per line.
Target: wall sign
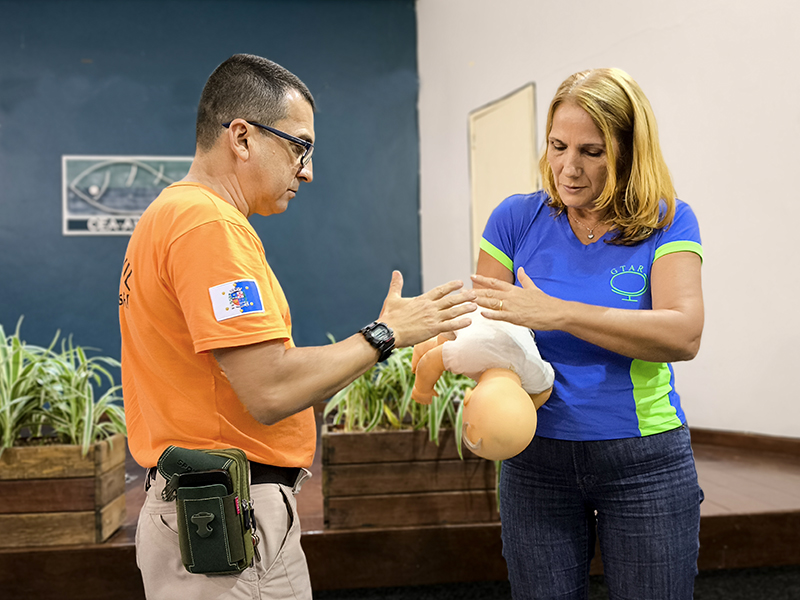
106	195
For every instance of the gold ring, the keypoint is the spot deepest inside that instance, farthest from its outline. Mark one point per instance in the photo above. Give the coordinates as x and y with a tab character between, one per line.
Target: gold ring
501	305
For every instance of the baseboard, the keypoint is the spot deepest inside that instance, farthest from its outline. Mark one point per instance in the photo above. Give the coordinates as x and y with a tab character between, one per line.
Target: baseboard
746	441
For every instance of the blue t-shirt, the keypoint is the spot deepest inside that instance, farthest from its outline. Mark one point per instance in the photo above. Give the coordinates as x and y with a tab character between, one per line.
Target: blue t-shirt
598	394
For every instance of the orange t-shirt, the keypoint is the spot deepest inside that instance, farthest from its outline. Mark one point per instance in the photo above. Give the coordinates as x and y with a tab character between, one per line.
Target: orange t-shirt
194	279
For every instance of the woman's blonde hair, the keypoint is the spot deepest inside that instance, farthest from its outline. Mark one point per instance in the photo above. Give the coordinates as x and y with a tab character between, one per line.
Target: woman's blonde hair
638	178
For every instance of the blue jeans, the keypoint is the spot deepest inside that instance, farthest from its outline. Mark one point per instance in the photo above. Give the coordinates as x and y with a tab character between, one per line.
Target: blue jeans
640	496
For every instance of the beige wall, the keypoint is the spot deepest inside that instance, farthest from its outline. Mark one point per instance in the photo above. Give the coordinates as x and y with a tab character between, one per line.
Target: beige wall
724	81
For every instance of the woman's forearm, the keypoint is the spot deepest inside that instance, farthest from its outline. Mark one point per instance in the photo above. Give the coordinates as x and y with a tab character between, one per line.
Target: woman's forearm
662	335
668	332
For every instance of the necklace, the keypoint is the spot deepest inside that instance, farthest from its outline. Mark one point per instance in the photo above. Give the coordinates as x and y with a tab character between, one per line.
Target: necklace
590	235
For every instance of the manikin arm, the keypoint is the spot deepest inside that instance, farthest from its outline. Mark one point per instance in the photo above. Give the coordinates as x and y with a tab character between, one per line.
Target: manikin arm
421	349
428	369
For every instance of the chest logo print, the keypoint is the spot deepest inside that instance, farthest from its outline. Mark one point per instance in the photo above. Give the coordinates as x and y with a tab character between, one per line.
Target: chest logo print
629	281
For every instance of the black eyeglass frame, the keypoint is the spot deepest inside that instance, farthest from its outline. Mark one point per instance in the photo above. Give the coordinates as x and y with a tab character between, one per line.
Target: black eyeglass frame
308	147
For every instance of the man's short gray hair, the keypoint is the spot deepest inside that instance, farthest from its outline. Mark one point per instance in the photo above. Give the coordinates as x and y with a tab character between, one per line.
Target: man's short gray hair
245	87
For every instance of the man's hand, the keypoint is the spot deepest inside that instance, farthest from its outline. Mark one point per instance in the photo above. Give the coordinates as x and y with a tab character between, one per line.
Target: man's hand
417	319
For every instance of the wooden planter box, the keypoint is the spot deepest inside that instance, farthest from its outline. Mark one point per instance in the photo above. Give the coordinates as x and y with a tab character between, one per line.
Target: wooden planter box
51	495
401	478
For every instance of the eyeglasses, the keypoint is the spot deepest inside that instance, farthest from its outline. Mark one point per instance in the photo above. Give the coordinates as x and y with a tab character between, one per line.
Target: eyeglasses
307	146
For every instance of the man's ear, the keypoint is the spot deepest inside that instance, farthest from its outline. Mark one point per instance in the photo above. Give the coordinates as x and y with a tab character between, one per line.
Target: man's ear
238	137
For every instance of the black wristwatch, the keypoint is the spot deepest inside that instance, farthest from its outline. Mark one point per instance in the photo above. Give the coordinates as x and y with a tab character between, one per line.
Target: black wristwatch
381	337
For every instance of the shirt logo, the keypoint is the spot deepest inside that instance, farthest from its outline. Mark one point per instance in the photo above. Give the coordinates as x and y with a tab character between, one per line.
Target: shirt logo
235	298
628	281
125	280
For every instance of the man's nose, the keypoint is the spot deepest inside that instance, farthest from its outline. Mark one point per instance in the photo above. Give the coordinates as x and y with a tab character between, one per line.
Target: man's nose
306	172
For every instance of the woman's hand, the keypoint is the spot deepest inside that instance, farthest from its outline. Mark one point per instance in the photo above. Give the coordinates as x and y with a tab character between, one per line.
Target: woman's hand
527	306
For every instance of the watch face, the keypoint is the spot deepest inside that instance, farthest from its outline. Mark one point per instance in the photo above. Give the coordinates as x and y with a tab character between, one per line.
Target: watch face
381	333
381	337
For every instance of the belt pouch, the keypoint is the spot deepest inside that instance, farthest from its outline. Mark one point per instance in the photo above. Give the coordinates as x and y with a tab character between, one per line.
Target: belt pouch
209	531
216	526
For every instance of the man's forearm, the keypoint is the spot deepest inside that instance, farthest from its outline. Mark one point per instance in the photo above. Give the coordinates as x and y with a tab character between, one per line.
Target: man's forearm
274	382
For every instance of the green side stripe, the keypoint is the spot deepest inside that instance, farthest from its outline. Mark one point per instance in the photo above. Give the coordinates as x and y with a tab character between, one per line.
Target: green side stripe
497	255
679	247
651	390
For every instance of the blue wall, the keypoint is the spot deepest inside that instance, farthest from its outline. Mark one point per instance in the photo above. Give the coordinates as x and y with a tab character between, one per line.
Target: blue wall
124	77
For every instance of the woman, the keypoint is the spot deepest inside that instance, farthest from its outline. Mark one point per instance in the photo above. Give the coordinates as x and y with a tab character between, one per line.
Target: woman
606	264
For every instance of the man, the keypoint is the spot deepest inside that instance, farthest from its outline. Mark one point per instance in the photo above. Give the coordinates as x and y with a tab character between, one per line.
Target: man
207	355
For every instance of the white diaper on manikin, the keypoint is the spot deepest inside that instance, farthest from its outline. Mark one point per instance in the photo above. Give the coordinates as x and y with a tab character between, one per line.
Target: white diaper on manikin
487	344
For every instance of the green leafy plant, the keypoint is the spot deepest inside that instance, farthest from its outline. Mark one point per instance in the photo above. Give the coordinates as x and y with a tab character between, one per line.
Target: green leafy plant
22	385
381	399
48	396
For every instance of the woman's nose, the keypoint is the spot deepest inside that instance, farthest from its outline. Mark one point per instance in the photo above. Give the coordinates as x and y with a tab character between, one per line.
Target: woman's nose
572	165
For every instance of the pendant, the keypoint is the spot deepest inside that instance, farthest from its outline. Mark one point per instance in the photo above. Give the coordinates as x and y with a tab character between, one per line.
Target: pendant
590	235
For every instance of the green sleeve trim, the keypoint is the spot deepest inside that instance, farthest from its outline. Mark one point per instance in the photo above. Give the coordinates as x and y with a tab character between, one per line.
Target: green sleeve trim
679	247
497	255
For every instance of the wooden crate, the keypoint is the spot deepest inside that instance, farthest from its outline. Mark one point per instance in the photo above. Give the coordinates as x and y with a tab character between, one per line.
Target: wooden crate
401	478
52	495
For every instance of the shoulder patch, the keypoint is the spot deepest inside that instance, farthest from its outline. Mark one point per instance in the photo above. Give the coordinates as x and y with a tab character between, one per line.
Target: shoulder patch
235	298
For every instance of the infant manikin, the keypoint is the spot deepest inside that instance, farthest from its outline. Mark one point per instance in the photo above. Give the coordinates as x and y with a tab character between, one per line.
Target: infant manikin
513	381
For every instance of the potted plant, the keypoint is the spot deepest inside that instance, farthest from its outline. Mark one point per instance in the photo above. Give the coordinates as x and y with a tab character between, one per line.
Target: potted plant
62	449
388	461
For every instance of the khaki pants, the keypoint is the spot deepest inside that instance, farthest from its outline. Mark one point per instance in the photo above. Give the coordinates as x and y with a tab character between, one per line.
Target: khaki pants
282	573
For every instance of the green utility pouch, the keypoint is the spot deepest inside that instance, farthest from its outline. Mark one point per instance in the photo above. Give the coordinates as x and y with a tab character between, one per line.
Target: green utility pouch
216	526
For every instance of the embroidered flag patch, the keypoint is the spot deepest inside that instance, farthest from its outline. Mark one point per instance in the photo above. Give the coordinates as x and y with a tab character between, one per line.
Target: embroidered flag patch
235	298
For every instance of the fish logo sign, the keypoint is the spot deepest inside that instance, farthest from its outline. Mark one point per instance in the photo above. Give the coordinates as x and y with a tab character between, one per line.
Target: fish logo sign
106	195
